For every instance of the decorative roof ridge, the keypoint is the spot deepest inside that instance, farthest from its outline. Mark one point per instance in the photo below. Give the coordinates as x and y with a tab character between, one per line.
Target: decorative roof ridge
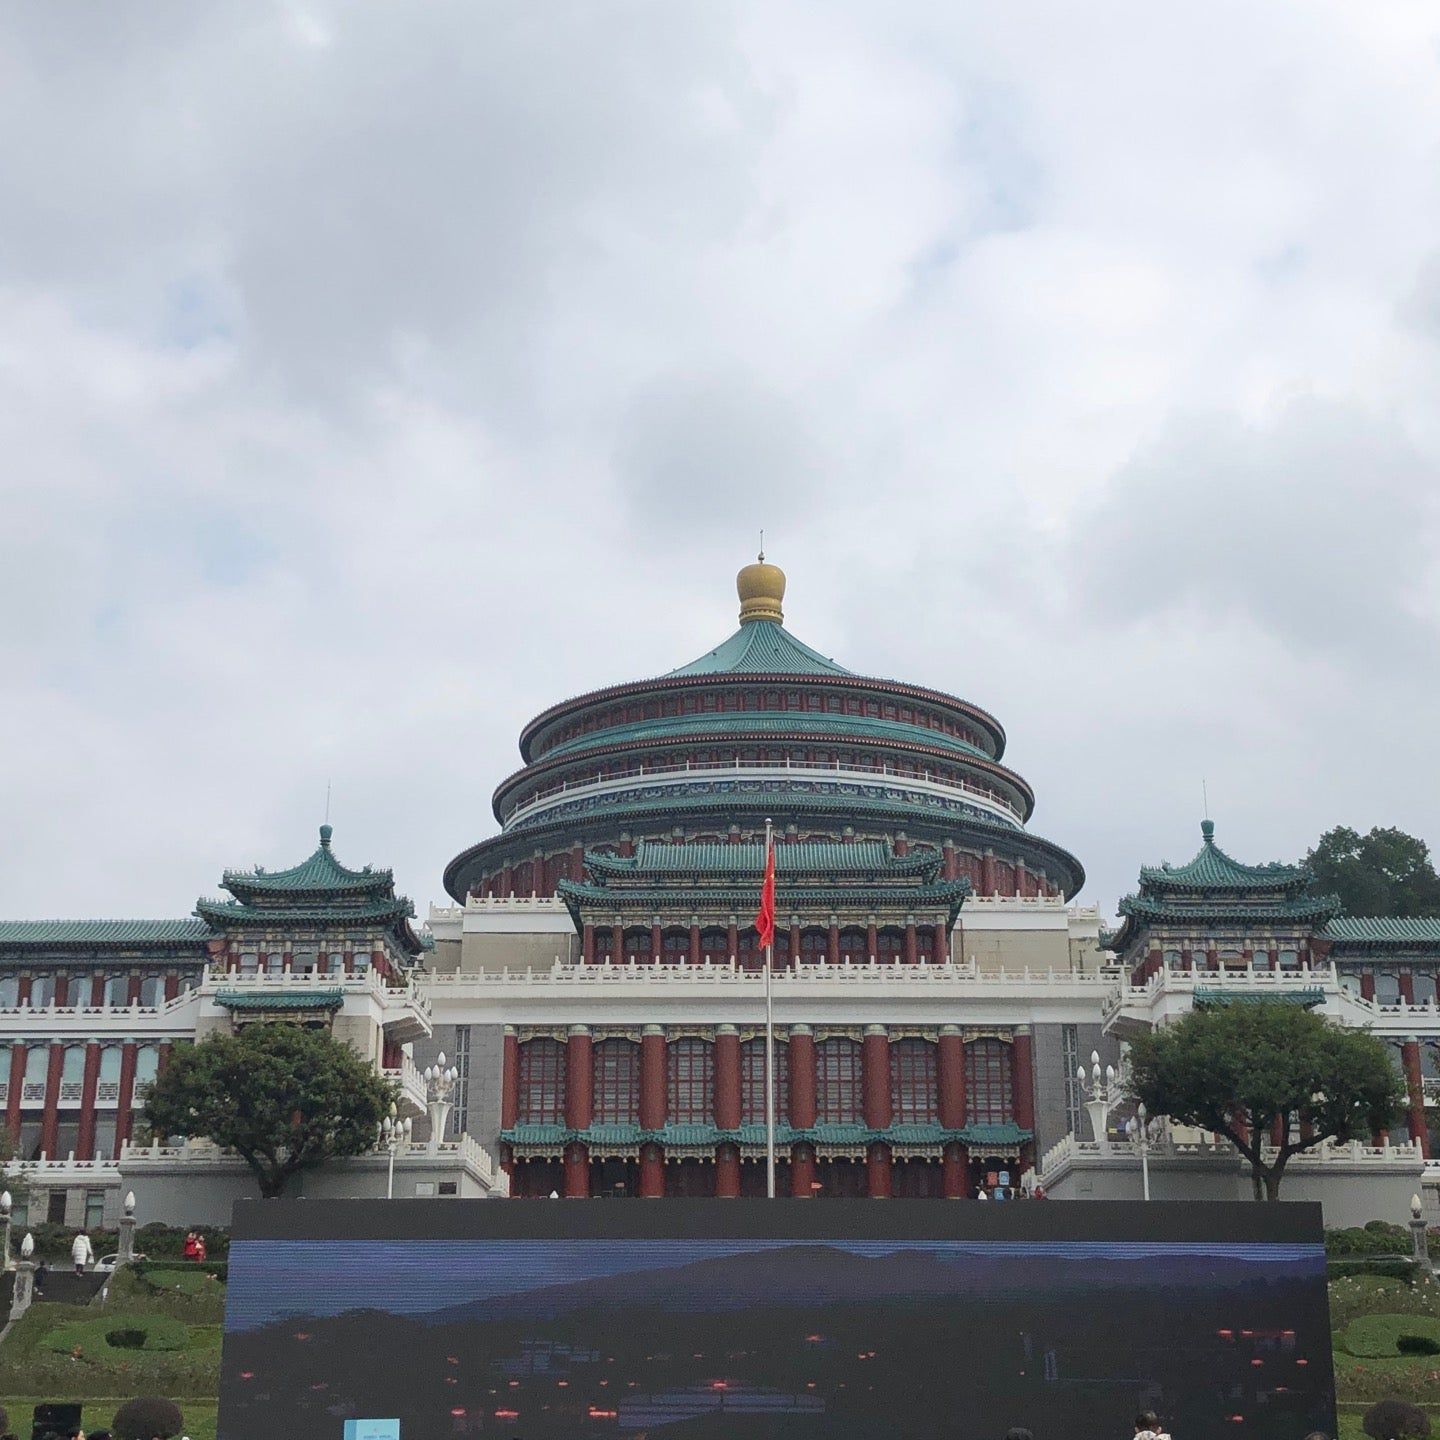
1212	868
761	646
319	871
1379	929
149	931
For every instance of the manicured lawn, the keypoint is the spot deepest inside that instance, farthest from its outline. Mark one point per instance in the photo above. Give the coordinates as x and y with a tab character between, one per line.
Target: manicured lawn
1369	1314
199	1414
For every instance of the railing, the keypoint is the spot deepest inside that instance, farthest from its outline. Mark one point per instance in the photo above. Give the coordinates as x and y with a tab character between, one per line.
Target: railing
388	991
408	1077
926	781
1184	980
729	973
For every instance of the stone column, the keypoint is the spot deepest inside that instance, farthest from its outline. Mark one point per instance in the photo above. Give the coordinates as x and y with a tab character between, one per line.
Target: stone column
1415	1089
653	1079
727	1171
802	1078
727	1081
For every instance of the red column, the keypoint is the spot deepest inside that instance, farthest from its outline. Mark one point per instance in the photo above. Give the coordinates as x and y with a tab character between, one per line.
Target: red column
802	1078
954	1172
97	990
1020	877
1367	986
694	944
172	986
49	1129
1415	1108
875	1077
727	1171
127	1090
1407	988
132	994
85	1144
652	1078
832	944
62	989
577	863
911	951
587	943
950	870
794	944
802	1171
577	1171
617	944
872	940
942	943
510	1081
656	941
877	1172
732	941
1023	1078
579	1078
727	1082
951	1069
12	1096
652	1172
987	873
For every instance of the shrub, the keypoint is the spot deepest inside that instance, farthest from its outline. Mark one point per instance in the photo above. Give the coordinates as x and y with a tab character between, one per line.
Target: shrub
1379	1237
147	1417
126	1339
1391	1267
1417	1345
4	1419
1395	1420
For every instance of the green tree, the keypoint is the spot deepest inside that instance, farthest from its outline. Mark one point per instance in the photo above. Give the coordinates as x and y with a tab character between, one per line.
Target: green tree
1240	1069
283	1097
1386	872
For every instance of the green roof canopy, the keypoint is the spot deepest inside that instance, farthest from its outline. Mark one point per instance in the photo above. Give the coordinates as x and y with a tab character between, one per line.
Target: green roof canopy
1213	999
762	647
320	872
1385	929
103	932
1213	869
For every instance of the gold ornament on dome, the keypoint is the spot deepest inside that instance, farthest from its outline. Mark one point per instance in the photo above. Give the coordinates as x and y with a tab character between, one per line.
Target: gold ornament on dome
761	588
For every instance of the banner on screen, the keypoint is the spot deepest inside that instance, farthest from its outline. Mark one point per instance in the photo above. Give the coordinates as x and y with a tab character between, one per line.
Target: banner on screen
755	1320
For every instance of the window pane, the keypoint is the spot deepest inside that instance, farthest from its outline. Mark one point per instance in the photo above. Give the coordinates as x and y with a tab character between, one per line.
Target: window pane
914	1097
617	1082
838	1100
987	1082
691	1081
542	1082
752	1081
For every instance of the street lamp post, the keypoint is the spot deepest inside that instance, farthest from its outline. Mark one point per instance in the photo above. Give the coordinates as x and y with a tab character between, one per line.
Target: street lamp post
394	1133
1102	1093
440	1081
1139	1132
7	1205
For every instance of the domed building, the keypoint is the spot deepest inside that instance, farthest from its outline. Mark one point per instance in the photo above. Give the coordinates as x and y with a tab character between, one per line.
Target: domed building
632	841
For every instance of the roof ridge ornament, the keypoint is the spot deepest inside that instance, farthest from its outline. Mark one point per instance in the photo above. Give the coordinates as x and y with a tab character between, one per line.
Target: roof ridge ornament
1207	831
761	587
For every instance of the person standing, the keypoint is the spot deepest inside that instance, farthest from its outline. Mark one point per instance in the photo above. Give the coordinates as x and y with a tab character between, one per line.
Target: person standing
82	1253
1148	1427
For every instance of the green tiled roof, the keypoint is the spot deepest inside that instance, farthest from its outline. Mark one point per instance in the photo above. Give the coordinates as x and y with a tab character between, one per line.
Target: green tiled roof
949	894
761	648
286	1000
232	912
1303	907
1384	929
806	857
1213	869
749	722
103	932
321	872
1212	999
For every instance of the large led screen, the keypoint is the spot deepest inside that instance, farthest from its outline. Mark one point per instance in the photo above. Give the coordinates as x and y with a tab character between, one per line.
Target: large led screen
753	1319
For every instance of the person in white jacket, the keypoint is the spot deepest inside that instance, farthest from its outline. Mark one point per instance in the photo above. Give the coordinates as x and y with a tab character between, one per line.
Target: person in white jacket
82	1253
1148	1427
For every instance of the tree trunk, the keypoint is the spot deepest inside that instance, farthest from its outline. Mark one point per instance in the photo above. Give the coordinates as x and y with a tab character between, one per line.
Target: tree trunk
1272	1183
1257	1180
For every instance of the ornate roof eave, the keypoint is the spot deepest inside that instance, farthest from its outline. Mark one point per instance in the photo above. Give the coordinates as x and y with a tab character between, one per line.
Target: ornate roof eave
925	862
978	764
393	915
186	934
520	844
1212	869
939	698
320	873
1317	908
1384	932
689	1136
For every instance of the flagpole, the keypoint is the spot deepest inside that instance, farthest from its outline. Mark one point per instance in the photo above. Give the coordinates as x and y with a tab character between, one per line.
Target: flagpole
769	1042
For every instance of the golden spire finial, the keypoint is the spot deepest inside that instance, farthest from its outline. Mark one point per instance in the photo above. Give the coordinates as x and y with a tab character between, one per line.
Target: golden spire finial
761	588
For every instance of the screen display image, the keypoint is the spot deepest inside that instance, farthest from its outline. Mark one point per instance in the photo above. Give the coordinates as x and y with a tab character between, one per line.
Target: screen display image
829	1320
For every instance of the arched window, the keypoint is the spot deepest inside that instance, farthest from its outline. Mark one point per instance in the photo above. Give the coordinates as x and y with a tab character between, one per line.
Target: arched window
853	947
9	992
914	1095
37	1071
542	1082
151	989
890	946
117	991
752	1081
72	1074
837	1063
617	1082
691	1078
42	991
987	1082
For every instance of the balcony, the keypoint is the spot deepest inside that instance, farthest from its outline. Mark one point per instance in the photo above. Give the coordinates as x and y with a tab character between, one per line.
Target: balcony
410	1083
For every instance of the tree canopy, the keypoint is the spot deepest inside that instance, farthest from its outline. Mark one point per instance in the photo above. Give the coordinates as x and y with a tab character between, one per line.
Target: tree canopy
283	1097
1386	872
1245	1071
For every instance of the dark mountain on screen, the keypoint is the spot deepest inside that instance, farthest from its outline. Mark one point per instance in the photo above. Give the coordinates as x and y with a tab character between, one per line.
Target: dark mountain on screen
811	1275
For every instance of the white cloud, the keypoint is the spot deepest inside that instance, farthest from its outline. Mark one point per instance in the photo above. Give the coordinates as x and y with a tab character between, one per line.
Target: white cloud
372	376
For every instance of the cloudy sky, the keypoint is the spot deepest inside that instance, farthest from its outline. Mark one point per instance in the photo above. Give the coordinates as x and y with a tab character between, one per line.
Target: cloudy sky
373	375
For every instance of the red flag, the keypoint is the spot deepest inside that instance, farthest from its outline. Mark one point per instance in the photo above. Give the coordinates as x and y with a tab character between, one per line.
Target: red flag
765	920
